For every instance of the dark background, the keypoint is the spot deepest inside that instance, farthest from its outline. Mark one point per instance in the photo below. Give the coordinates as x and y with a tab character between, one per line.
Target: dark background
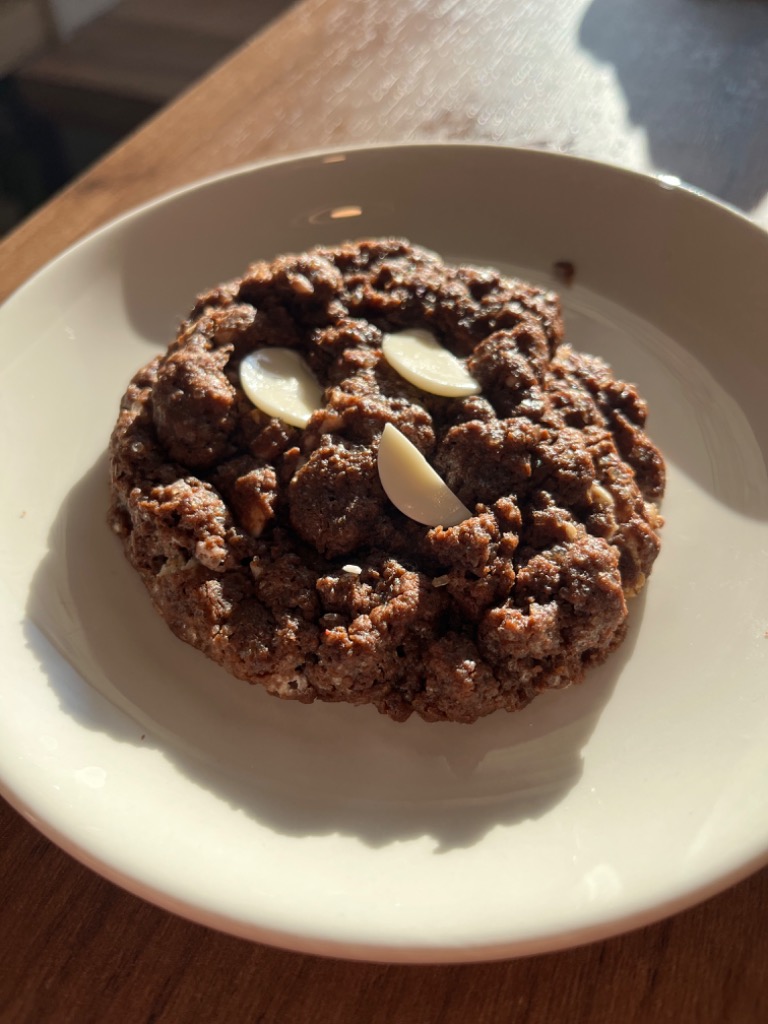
76	98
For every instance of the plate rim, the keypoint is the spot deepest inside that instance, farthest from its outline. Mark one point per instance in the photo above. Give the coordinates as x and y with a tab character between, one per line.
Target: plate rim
671	182
603	930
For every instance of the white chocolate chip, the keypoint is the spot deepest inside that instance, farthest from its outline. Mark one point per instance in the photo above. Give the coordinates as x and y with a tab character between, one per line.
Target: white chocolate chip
420	358
279	382
353	570
413	486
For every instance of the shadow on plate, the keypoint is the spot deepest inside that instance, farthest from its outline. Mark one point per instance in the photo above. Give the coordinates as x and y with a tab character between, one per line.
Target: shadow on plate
295	769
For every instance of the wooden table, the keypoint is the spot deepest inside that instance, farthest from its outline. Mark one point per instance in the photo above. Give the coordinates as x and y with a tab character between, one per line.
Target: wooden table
674	86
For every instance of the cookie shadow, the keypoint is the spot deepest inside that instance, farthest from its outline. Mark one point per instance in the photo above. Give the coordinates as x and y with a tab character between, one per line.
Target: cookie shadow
295	769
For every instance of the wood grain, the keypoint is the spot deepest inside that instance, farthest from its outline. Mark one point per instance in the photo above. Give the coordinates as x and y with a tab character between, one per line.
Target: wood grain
77	950
343	72
623	82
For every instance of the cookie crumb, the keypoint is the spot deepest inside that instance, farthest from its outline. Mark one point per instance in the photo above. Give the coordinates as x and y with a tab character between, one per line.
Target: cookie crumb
565	272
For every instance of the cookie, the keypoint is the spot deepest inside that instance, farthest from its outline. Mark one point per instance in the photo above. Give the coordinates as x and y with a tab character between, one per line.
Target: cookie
275	549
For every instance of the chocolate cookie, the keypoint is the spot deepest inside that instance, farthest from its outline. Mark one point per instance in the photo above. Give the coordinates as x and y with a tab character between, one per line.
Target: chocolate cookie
276	551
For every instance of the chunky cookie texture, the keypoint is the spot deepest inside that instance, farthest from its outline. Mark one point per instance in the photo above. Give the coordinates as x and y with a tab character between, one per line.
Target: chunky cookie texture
274	549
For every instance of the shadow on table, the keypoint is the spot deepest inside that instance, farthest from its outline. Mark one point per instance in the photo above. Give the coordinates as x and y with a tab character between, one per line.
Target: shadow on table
295	769
695	75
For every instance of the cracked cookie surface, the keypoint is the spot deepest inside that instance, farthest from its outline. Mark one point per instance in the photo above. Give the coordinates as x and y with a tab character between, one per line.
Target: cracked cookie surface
274	549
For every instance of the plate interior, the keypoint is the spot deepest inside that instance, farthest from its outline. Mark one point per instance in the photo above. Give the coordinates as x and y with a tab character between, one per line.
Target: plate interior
329	828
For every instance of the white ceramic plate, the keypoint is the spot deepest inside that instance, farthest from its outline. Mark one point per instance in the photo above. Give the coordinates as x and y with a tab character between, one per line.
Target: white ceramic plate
329	828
